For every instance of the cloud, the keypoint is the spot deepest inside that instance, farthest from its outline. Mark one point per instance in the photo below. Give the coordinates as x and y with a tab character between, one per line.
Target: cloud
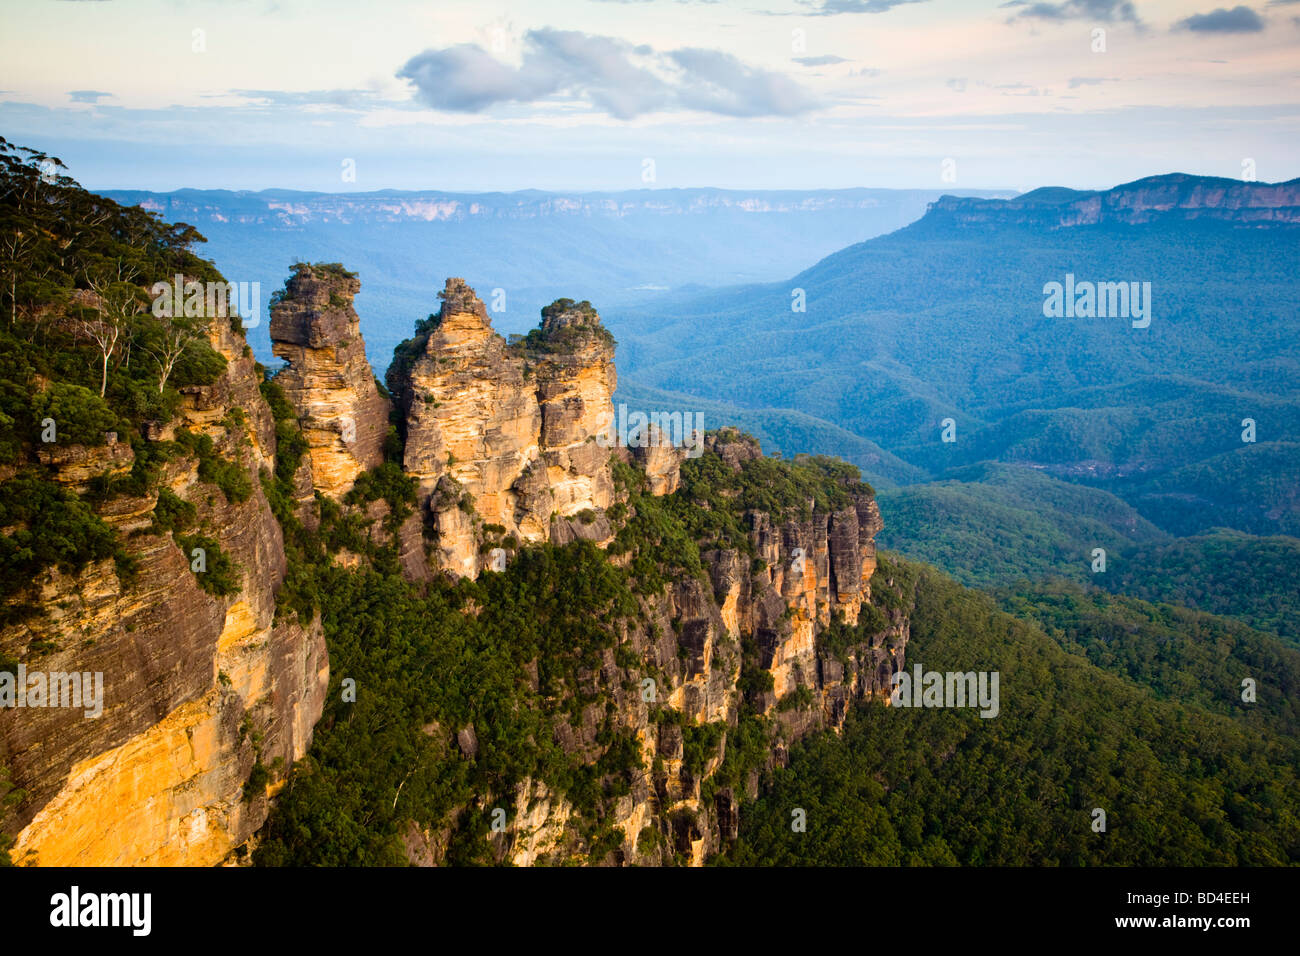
348	99
1078	81
465	78
716	82
611	75
87	96
1222	20
826	60
1106	11
830	8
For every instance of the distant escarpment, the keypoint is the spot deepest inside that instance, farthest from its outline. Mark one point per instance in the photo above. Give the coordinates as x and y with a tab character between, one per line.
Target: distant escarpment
1176	197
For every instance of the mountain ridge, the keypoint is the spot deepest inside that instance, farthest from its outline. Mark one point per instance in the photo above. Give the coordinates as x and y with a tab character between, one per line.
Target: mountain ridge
1168	196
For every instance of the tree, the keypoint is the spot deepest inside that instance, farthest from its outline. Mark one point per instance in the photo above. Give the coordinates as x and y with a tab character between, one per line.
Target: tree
169	343
116	301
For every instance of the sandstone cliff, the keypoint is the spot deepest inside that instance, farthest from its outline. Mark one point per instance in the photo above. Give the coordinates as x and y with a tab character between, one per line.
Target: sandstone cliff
200	689
211	695
763	633
502	438
316	330
508	442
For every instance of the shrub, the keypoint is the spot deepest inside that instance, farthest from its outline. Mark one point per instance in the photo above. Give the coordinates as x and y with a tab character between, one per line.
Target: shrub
80	416
219	574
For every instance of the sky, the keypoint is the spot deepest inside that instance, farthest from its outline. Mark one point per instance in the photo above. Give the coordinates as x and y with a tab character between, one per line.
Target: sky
487	95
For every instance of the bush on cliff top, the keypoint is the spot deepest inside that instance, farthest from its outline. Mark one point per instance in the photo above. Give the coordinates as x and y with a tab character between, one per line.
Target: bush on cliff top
47	526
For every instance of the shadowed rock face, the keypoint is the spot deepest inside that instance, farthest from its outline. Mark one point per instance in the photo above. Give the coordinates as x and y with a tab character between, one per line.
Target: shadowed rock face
328	379
513	427
190	680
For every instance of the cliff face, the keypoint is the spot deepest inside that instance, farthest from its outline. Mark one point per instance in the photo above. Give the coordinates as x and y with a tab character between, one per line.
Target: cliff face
505	433
210	698
1176	197
676	676
806	572
328	379
510	440
197	688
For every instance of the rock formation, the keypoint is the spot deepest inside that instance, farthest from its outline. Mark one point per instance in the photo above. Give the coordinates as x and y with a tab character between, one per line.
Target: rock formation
510	445
328	378
506	433
689	642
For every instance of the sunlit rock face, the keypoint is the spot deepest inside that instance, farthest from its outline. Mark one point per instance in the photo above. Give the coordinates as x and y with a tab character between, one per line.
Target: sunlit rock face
801	575
315	328
197	689
507	433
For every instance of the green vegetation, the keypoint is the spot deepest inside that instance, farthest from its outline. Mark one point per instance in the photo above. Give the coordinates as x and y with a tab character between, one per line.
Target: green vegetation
214	570
1180	784
1183	655
560	306
229	476
389	483
505	655
172	513
538	343
80	416
420	661
464	691
325	270
80	344
1256	580
48	526
709	510
997	524
940	320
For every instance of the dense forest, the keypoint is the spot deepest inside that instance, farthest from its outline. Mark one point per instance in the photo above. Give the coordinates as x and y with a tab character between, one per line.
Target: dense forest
937	321
505	656
74	275
1184	771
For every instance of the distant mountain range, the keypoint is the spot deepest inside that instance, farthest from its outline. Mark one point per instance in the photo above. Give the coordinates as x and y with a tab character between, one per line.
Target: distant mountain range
1174	197
1194	420
611	248
869	351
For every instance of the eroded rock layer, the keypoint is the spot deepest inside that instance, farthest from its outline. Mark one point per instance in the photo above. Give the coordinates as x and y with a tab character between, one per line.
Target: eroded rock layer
198	688
316	330
506	435
675	678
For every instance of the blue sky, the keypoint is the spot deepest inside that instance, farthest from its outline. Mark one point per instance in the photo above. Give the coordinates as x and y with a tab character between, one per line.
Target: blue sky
623	94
